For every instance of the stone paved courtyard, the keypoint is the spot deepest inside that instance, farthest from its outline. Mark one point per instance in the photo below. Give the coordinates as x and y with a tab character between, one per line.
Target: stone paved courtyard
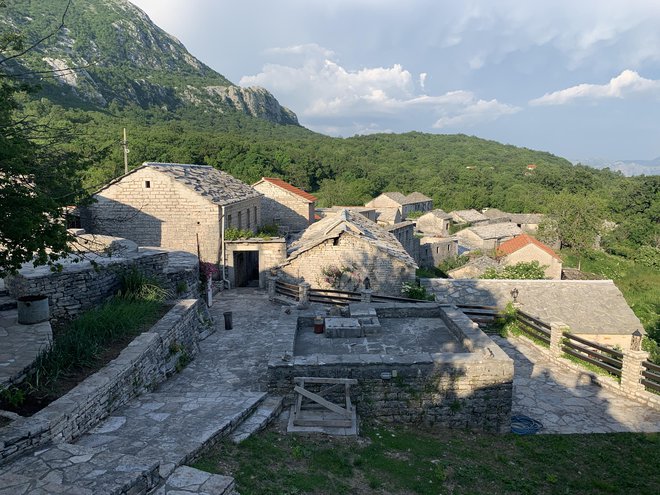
567	402
398	336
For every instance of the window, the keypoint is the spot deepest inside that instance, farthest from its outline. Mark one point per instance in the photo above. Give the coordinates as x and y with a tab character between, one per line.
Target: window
147	184
240	221
256	221
228	226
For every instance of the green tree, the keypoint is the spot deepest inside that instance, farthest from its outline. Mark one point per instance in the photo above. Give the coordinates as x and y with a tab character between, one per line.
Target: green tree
578	219
38	176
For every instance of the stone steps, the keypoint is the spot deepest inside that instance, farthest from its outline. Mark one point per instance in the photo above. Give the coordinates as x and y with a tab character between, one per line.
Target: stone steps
186	480
72	469
172	428
259	419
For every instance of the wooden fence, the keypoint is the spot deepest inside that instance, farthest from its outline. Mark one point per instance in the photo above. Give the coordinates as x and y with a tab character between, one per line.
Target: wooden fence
288	290
603	357
651	376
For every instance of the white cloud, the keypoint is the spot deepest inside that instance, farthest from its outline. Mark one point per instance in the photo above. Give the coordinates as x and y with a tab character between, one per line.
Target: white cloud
476	112
319	89
625	84
422	80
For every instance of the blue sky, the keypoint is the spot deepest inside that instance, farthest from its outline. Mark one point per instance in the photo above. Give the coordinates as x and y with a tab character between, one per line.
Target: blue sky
578	78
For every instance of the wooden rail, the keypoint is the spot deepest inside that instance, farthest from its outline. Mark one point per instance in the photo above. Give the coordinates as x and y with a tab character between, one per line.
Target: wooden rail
533	327
596	354
651	376
288	290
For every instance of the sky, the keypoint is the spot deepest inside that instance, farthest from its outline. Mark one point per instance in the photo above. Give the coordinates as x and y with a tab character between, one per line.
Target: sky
577	78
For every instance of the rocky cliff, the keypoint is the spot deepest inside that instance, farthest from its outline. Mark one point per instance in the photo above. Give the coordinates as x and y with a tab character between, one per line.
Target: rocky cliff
110	52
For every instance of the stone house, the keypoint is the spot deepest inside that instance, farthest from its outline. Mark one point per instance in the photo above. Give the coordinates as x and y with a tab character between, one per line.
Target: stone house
387	216
487	237
176	206
369	213
285	205
475	268
248	261
405	234
473	217
355	245
528	222
433	250
436	222
496	216
405	204
526	248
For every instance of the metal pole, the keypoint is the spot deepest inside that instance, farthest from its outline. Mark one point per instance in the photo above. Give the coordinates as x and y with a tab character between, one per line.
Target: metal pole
124	143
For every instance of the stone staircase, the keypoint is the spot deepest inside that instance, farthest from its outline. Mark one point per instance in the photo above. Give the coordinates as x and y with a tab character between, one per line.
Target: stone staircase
270	408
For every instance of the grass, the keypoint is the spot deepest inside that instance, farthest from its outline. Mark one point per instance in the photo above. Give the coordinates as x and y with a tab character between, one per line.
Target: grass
400	460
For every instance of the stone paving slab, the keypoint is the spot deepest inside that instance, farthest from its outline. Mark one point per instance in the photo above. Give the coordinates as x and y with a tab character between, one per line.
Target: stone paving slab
76	470
566	401
21	344
171	428
187	481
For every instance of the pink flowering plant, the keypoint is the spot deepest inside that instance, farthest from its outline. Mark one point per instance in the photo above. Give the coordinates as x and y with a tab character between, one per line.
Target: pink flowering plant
208	270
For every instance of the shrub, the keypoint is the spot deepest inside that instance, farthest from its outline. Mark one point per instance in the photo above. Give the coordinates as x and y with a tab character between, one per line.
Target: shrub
414	291
524	270
137	286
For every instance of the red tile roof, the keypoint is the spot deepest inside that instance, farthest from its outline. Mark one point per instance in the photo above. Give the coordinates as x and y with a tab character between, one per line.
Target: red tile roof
288	187
519	242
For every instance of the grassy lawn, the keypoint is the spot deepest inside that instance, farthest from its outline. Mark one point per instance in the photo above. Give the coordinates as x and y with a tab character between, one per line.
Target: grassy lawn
399	460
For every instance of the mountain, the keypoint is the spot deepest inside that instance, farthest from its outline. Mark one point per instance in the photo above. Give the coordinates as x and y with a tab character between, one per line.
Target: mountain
110	53
628	168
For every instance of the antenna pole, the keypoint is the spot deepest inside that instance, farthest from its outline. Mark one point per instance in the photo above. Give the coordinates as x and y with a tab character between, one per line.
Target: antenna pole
124	145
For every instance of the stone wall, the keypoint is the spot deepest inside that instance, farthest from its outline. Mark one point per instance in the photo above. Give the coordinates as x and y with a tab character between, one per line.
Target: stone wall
456	390
84	285
386	273
280	207
146	362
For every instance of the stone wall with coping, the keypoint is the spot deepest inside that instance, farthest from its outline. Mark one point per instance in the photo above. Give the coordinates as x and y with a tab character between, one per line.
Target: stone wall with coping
146	362
457	390
85	285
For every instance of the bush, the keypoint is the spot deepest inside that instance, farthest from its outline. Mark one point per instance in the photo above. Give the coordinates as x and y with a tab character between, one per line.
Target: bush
451	263
523	271
414	291
137	286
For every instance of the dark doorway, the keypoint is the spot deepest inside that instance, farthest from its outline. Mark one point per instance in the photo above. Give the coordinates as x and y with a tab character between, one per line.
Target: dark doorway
246	268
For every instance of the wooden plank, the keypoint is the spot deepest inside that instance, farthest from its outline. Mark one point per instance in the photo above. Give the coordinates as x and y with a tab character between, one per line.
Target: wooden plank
320	400
652	376
594	345
650	384
330	389
595	354
600	364
335	291
651	366
319	379
330	423
536	328
536	335
288	286
533	319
